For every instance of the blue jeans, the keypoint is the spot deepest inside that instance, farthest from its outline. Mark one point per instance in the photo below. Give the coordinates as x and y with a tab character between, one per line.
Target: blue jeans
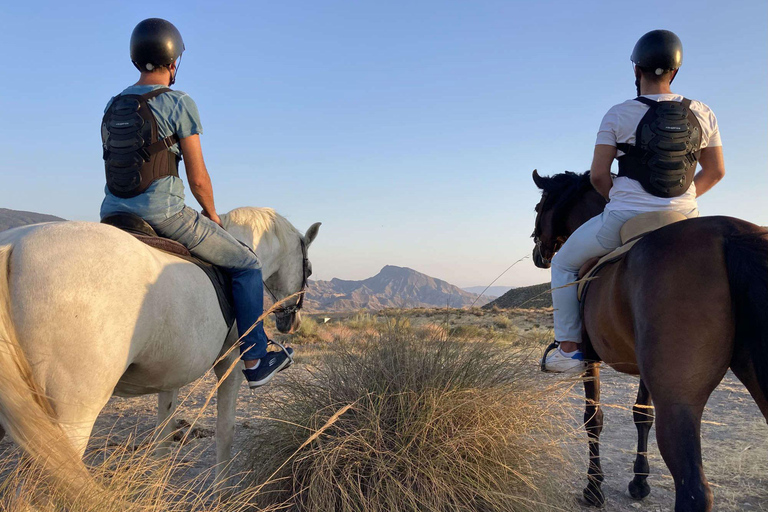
208	241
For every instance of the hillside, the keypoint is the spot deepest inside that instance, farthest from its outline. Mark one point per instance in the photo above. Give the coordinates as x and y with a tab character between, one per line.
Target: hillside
392	287
492	292
536	296
15	218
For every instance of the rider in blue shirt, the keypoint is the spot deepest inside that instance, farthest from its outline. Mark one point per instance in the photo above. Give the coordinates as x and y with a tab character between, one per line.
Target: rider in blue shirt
156	48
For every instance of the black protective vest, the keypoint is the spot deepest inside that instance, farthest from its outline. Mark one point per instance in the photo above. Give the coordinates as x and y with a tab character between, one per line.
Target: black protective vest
667	148
134	157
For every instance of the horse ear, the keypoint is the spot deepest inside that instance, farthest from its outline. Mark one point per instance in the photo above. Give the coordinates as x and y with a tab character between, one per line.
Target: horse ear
538	180
312	233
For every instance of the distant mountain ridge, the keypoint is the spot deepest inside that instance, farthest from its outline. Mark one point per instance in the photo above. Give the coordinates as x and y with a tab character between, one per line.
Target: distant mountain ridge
536	296
392	287
15	218
492	292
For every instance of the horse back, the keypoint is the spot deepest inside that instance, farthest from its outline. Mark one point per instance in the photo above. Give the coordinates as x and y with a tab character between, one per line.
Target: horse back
668	297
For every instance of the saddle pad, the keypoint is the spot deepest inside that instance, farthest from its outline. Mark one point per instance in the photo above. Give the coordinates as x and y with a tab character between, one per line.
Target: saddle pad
164	244
631	232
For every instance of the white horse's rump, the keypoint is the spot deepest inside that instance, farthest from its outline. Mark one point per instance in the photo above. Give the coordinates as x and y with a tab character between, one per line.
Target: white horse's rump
96	312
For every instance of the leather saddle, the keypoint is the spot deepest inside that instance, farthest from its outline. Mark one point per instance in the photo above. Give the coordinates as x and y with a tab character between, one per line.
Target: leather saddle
138	227
631	232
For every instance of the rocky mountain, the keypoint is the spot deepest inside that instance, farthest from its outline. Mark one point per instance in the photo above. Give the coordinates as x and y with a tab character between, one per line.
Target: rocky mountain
536	296
15	218
393	287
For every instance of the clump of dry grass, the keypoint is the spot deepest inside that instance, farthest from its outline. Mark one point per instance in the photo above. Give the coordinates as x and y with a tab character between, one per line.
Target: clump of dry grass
129	479
433	425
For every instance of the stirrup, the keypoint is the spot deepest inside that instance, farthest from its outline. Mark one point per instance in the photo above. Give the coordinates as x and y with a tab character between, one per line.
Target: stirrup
282	347
552	346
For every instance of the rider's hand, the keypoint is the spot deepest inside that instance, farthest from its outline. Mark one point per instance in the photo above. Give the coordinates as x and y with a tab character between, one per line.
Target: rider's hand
213	216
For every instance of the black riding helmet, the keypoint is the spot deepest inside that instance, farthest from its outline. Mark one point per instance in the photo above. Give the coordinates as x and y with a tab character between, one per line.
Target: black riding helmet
658	51
155	43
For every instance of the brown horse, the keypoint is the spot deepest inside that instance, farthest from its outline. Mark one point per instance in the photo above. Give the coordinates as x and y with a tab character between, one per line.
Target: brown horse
688	302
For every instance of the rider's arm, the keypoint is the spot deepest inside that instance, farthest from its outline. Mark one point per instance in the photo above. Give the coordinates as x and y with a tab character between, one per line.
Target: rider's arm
712	169
197	175
600	174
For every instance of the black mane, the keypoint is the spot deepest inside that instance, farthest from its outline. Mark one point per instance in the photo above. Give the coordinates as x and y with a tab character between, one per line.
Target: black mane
564	188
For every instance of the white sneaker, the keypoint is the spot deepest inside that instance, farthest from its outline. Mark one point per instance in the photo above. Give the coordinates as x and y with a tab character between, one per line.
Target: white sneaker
560	362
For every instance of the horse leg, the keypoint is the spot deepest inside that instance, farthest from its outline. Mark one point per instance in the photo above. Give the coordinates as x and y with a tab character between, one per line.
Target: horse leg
678	428
226	404
642	413
77	425
593	421
167	401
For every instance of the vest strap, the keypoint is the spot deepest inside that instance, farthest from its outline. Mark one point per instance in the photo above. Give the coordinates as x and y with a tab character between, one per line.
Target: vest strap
162	145
646	101
155	93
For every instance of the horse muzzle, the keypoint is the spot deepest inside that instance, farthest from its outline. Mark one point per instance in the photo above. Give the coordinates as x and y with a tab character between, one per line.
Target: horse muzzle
539	260
288	323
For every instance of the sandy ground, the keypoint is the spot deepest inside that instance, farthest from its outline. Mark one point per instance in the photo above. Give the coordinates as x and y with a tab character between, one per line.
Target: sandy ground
735	436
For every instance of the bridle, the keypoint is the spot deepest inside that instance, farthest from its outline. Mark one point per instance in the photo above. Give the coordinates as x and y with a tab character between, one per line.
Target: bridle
306	272
560	240
539	209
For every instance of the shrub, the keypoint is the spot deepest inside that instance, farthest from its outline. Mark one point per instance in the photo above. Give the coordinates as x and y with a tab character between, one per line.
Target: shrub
363	320
307	331
424	425
467	332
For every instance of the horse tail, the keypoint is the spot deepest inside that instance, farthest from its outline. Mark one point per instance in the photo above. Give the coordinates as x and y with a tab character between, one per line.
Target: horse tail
25	412
746	258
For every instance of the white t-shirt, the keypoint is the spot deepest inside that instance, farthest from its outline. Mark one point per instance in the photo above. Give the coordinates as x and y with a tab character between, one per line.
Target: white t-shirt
619	125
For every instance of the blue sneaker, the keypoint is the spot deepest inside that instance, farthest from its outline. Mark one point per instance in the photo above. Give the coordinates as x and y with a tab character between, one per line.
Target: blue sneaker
269	366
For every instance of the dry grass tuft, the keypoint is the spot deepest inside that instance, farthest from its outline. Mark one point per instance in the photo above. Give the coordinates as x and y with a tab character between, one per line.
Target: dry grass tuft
433	425
131	479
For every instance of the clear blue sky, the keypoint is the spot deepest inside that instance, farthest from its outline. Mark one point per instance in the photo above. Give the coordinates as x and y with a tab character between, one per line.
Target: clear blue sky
409	128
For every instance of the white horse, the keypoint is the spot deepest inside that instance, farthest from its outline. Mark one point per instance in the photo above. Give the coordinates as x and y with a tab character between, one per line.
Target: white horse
87	312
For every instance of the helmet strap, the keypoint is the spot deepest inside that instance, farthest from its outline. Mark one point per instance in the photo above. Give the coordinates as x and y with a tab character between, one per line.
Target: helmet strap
637	77
674	74
174	73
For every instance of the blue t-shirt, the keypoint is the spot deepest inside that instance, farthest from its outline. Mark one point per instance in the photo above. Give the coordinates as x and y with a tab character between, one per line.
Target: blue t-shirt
177	113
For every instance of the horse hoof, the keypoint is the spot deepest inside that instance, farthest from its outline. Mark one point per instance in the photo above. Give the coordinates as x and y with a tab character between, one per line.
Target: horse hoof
594	497
639	489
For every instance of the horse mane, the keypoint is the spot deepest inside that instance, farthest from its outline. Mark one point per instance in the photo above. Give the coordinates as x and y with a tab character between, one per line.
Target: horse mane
264	221
564	188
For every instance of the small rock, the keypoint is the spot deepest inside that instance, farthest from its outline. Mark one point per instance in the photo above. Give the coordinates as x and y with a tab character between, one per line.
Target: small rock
636	505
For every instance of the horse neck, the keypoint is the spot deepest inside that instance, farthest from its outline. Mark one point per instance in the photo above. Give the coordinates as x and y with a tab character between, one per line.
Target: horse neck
265	243
590	205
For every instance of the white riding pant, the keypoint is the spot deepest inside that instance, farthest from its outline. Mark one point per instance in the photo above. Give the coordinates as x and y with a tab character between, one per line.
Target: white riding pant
596	237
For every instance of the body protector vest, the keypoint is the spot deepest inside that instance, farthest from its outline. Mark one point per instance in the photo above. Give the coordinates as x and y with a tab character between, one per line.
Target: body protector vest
667	148
134	155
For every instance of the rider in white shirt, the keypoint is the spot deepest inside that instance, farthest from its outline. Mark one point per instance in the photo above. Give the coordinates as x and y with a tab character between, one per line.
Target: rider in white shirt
642	186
